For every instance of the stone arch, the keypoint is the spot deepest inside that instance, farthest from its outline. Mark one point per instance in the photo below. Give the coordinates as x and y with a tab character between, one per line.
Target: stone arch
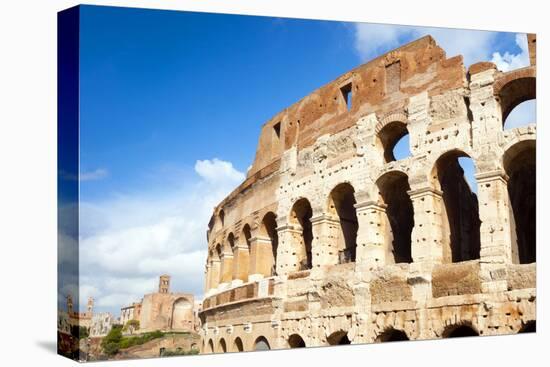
519	163
210	348
460	212
268	229
238	345
459	330
231	241
515	87
392	335
261	343
182	314
338	338
221	215
389	133
300	217
296	341
393	190
341	205
529	327
223	346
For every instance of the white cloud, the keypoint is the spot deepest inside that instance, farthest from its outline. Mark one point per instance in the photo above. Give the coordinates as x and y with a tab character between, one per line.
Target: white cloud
372	40
509	61
97	174
128	240
215	171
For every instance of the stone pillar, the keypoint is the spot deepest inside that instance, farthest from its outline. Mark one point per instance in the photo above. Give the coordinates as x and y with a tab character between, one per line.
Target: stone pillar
241	259
214	273
226	267
496	231
207	277
288	255
261	257
325	251
371	243
427	237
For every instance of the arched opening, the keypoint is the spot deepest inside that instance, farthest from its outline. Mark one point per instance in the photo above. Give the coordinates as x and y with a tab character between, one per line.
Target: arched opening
513	93
523	114
219	254
301	216
529	327
222	217
269	229
223	346
342	205
394	138
210	346
296	341
261	344
393	187
231	241
338	338
520	166
461	211
392	335
459	331
182	315
238	345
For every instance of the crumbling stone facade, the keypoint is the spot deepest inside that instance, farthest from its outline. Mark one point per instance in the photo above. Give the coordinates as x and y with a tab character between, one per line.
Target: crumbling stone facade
331	240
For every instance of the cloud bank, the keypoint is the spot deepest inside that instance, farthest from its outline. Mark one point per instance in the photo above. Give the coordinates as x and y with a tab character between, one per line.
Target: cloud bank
127	241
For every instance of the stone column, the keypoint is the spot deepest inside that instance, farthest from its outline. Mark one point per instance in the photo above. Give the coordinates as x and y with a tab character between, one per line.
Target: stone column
207	277
287	254
226	267
214	273
261	257
427	237
241	259
371	244
496	230
325	250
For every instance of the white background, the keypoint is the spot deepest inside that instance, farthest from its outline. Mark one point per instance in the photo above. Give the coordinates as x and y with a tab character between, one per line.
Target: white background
28	231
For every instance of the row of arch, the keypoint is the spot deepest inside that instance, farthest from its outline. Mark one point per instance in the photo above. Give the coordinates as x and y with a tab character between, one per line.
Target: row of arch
460	217
341	338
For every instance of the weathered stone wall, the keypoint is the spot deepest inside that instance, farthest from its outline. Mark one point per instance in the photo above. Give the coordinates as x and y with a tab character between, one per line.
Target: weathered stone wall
330	240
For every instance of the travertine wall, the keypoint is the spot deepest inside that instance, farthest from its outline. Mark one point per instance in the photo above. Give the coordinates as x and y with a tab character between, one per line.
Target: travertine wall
330	240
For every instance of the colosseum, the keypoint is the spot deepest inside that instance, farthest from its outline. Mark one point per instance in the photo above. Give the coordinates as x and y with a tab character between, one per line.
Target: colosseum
332	240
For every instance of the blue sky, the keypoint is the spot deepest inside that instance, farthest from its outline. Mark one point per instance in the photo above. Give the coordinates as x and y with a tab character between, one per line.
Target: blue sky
171	109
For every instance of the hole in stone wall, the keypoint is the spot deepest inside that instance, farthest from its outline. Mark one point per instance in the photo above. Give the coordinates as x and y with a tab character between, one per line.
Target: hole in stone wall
394	138
338	338
269	228
296	341
460	331
393	187
461	206
277	130
342	204
392	335
347	95
261	344
238	345
301	215
529	327
520	166
223	347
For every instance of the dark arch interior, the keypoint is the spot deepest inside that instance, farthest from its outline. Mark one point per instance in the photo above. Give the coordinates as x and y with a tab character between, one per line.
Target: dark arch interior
222	217
296	341
270	225
461	331
389	136
393	335
210	346
247	235
343	202
339	338
461	207
393	189
231	240
302	213
529	327
261	344
239	344
520	166
223	346
515	92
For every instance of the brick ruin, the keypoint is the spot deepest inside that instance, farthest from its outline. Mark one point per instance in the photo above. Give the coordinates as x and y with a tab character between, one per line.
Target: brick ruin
331	240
